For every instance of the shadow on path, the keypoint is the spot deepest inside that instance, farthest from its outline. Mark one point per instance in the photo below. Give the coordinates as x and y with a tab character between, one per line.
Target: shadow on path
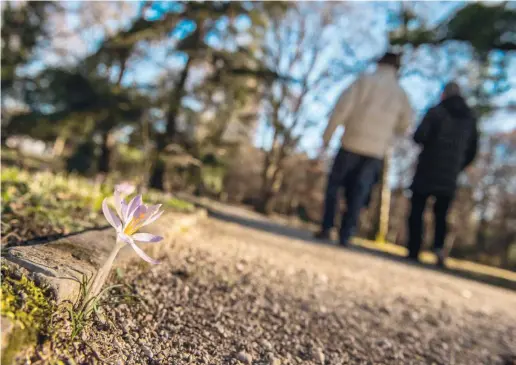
306	236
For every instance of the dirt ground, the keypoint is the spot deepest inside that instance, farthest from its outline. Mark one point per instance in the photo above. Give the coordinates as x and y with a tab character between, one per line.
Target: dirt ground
228	293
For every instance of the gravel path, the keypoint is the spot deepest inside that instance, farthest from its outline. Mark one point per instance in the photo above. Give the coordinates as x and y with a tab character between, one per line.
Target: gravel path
227	294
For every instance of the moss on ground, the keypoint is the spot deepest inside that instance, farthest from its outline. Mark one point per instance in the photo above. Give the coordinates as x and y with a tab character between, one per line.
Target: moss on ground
28	306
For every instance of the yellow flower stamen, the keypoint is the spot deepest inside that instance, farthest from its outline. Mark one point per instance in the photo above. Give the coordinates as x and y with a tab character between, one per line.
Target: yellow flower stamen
134	225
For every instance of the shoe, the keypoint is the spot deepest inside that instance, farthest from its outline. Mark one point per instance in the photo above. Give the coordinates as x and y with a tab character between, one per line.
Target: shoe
441	256
412	258
344	240
322	235
344	243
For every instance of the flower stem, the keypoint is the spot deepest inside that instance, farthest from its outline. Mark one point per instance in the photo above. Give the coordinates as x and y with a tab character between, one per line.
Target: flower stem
100	276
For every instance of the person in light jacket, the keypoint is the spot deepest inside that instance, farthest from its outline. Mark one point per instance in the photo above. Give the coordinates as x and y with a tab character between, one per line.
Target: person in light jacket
373	110
448	136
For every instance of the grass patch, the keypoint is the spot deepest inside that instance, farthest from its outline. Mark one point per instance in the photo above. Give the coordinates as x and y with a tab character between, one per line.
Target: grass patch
45	204
13	157
169	203
179	205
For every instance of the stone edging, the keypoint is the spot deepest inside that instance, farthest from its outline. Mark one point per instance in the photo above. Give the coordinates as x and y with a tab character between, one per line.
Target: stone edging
63	263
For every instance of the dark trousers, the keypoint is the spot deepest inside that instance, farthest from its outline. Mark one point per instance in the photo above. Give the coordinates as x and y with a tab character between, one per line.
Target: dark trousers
357	174
416	226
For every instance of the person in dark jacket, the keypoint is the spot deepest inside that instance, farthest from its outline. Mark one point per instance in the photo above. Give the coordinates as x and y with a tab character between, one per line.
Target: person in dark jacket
448	136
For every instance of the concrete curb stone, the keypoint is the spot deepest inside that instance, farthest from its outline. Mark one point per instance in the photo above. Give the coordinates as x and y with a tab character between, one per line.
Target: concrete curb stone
63	263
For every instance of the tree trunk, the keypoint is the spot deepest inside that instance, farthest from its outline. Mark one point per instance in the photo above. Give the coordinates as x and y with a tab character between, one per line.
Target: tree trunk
147	156
265	204
372	226
481	236
270	189
104	160
59	145
157	174
385	203
505	258
270	181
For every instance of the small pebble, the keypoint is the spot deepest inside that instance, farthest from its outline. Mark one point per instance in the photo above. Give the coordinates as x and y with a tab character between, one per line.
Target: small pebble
319	355
244	357
323	278
266	344
384	343
274	361
148	352
466	294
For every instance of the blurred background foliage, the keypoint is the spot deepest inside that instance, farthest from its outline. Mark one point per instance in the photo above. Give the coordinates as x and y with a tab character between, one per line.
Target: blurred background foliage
228	100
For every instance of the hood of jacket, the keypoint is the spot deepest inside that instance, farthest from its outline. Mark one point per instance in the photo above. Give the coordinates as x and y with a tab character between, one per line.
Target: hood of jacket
457	107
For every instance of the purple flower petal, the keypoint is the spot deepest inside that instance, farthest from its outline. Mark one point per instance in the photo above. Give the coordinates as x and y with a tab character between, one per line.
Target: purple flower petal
143	255
110	216
152	218
125	238
151	211
123	210
138	214
125	188
146	237
118	203
133	205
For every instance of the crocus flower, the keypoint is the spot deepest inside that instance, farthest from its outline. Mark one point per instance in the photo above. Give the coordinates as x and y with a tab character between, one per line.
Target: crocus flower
125	188
129	218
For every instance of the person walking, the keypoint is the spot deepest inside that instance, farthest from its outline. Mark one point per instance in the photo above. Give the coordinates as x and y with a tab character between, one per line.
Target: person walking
373	110
448	136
